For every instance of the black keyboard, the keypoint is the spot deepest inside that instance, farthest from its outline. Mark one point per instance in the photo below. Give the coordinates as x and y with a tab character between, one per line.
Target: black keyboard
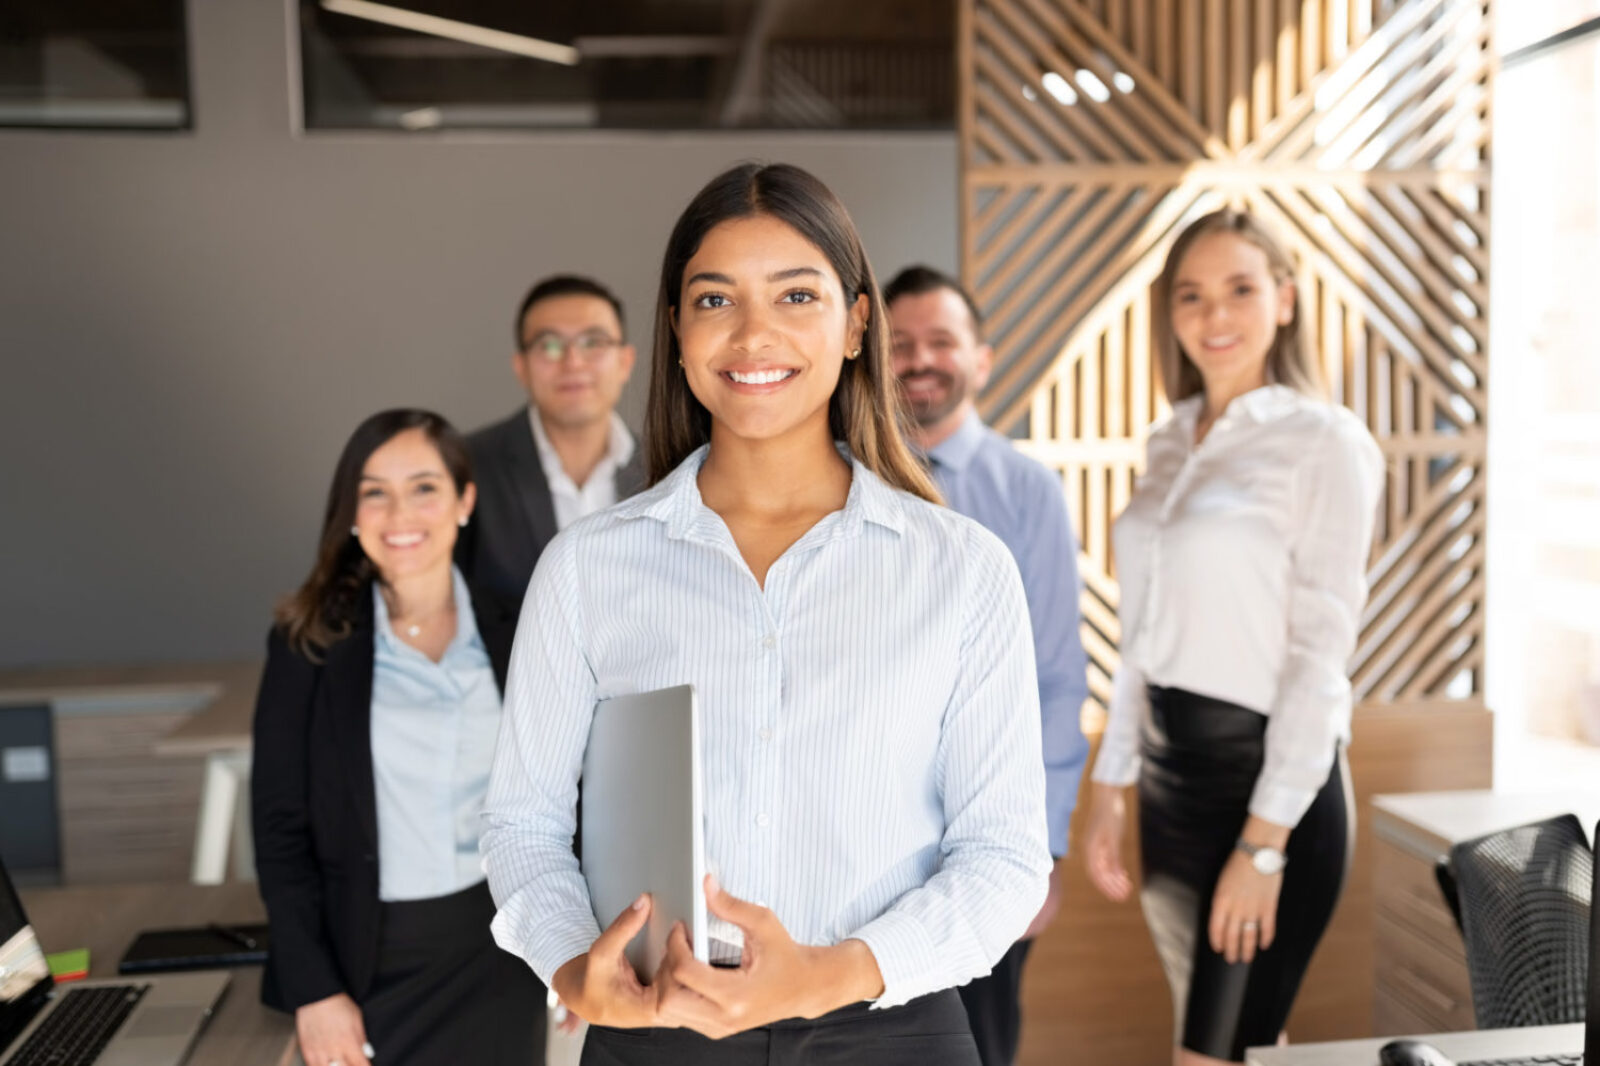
1534	1060
81	1025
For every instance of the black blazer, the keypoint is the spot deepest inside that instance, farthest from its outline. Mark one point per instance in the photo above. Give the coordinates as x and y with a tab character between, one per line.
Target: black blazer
314	808
515	518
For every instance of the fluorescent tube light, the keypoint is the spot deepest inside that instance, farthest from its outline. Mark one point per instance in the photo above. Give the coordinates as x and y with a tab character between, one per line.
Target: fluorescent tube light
515	43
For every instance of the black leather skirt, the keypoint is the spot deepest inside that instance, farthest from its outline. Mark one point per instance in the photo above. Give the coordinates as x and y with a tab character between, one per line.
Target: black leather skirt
1200	761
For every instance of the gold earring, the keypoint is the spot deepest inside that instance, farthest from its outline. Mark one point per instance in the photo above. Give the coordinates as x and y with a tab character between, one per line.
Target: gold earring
854	352
680	362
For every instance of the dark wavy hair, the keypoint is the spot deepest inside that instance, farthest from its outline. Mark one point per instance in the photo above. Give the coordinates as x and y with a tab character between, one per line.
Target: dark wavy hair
322	611
866	410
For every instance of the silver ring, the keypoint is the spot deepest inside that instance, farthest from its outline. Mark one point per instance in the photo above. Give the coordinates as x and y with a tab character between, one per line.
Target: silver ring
1252	926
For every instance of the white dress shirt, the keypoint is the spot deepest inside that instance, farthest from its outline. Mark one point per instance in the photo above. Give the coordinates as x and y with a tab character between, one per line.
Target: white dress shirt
433	732
1243	571
600	490
870	719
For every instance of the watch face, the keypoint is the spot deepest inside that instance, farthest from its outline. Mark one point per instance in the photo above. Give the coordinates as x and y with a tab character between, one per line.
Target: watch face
1268	861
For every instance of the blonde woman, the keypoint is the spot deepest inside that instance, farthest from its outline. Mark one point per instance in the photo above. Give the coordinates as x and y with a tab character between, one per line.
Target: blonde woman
1242	558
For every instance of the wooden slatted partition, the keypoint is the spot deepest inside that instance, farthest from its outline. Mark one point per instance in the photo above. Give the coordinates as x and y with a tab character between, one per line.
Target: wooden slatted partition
1091	131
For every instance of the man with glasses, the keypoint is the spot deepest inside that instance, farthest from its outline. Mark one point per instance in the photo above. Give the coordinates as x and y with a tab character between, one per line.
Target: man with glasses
567	454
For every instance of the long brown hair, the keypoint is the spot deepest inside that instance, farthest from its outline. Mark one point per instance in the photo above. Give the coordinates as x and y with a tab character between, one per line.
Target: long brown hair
323	609
1290	361
866	410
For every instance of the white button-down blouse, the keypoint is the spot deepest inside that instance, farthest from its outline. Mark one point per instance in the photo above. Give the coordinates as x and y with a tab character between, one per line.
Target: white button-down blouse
870	725
1242	564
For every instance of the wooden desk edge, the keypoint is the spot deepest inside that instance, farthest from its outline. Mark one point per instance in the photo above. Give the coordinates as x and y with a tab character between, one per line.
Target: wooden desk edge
222	723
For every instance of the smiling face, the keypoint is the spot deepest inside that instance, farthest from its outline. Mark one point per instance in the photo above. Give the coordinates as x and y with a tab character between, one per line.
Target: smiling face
573	362
938	360
1226	310
764	325
407	508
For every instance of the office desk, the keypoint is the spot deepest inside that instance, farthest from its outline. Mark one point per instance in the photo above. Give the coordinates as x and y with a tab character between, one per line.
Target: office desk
149	763
1459	1047
105	919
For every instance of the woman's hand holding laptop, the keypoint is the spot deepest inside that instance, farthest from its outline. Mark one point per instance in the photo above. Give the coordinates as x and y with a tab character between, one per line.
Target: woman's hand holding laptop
602	988
776	978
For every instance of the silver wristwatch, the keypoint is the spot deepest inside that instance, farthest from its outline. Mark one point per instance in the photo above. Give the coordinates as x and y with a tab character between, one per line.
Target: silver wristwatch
1267	861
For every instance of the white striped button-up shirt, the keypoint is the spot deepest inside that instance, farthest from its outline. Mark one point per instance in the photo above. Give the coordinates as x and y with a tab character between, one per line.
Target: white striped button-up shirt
870	725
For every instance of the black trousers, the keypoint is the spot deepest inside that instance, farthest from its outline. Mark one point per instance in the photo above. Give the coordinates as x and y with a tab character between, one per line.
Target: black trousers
930	1031
994	1007
1201	759
444	993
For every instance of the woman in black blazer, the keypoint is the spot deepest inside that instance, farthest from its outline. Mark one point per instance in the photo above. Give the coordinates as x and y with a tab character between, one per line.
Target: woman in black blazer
374	730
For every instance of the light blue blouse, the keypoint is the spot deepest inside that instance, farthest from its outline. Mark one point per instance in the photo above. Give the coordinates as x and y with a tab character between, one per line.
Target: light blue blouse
433	732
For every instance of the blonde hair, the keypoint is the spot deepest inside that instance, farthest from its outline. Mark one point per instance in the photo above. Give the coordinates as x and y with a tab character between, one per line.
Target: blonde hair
1290	360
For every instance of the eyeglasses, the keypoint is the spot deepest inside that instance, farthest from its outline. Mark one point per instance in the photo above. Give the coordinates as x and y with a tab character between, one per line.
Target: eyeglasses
554	348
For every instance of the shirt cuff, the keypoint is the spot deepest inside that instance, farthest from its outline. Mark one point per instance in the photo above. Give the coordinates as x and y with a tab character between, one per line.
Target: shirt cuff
1114	769
560	939
1061	799
1281	804
906	957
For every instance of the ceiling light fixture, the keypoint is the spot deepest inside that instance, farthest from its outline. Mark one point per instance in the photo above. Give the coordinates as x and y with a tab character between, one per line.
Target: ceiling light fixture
499	40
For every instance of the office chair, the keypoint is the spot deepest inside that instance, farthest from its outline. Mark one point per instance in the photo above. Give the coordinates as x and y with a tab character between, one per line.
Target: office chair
1447	888
1524	896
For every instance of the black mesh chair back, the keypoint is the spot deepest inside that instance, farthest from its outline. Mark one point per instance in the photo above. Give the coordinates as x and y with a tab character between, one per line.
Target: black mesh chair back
1524	896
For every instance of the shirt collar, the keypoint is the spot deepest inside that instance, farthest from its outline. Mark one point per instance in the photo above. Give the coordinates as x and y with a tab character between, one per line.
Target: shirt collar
1267	403
676	502
466	621
1262	405
956	451
619	446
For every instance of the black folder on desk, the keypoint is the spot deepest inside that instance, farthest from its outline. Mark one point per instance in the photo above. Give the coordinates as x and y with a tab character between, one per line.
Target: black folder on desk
196	948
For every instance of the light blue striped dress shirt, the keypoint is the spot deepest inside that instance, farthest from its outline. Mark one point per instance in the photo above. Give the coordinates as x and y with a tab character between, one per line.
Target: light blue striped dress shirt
433	734
870	723
983	476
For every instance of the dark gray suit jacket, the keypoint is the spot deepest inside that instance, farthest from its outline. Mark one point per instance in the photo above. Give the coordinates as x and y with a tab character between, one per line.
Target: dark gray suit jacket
515	517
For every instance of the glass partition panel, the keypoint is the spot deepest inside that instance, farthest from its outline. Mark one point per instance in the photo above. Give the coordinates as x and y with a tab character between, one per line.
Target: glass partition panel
94	64
421	65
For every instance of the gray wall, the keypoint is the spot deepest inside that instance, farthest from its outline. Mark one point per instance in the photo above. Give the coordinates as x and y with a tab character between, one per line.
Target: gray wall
190	325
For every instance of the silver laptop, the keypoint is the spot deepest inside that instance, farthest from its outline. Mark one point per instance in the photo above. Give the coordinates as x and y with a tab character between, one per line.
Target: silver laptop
643	819
148	1021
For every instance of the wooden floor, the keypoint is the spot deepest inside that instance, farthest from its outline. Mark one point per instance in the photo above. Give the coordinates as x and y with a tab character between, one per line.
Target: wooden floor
1093	994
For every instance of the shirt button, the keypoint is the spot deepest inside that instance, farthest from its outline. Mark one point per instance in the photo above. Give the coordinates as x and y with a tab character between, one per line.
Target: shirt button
763	820
766	734
770	642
